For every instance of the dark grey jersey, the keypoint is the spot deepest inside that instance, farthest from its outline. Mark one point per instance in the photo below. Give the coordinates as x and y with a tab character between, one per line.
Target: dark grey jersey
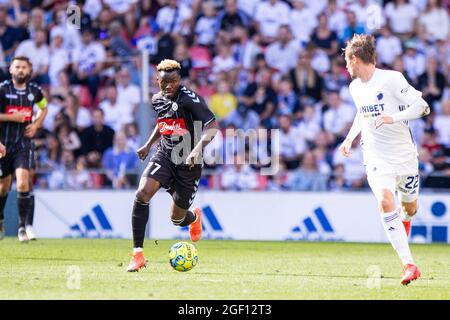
180	121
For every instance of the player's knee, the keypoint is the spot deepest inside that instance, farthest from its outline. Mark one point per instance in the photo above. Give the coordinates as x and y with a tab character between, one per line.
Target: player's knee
142	196
22	186
386	205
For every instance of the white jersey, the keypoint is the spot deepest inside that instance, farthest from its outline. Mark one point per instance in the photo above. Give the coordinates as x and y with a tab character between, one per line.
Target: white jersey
386	92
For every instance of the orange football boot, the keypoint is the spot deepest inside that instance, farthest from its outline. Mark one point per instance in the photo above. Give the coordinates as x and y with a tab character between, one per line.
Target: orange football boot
195	228
137	262
410	273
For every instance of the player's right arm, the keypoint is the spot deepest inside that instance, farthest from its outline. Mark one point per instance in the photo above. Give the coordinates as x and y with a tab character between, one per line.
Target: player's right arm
13	117
345	147
145	149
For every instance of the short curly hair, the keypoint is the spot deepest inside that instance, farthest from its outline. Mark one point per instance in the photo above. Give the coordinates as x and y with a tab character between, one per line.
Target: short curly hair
362	46
168	65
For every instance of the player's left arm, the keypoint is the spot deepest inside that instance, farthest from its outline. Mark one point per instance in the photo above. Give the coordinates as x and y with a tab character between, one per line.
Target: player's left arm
41	103
409	96
201	112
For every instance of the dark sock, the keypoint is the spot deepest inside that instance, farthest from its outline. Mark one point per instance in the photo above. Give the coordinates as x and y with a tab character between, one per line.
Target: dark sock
30	215
187	220
23	204
2	205
139	221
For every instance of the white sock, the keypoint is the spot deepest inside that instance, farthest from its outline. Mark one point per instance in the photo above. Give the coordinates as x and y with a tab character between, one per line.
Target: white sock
397	236
136	250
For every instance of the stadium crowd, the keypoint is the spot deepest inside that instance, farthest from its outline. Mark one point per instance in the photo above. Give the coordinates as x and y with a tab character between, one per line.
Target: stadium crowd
260	64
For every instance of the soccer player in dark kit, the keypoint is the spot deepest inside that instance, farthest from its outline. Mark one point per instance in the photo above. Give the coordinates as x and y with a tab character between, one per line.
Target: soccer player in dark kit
185	125
17	128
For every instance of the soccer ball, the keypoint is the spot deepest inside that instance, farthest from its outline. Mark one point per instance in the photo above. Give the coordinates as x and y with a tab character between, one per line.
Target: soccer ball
183	256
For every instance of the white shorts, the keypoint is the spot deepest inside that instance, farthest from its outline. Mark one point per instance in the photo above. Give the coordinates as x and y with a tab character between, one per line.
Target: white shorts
403	178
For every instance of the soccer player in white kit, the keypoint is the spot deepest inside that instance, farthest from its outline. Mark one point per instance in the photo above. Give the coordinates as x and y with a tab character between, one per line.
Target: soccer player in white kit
385	103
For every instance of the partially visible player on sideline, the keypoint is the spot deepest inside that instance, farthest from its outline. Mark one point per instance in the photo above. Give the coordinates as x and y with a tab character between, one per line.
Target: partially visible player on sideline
182	117
385	103
17	98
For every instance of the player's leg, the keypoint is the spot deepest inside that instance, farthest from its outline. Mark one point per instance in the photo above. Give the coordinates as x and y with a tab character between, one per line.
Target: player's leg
408	189
139	218
158	173
408	210
23	200
5	185
185	189
383	187
30	215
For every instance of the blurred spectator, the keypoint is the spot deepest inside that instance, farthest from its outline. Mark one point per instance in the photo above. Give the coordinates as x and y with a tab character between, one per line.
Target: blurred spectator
117	113
88	62
324	38
336	17
72	36
388	47
352	27
337	78
68	137
261	97
224	62
174	18
302	15
79	116
206	26
402	17
128	94
54	106
245	49
132	133
307	177
349	172
309	125
37	51
431	82
223	101
436	20
282	54
269	16
239	176
288	102
425	162
292	143
120	7
413	60
96	138
442	124
118	160
339	116
305	79
8	38
231	17
60	57
243	117
183	57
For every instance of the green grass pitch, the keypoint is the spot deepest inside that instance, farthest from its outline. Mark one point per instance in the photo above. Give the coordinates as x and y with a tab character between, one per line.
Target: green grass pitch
46	269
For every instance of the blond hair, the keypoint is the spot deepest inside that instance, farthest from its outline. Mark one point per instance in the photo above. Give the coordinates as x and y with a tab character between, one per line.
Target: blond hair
362	46
168	65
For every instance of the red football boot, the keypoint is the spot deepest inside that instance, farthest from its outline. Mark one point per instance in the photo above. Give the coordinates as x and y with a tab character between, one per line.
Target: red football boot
137	262
410	273
195	228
